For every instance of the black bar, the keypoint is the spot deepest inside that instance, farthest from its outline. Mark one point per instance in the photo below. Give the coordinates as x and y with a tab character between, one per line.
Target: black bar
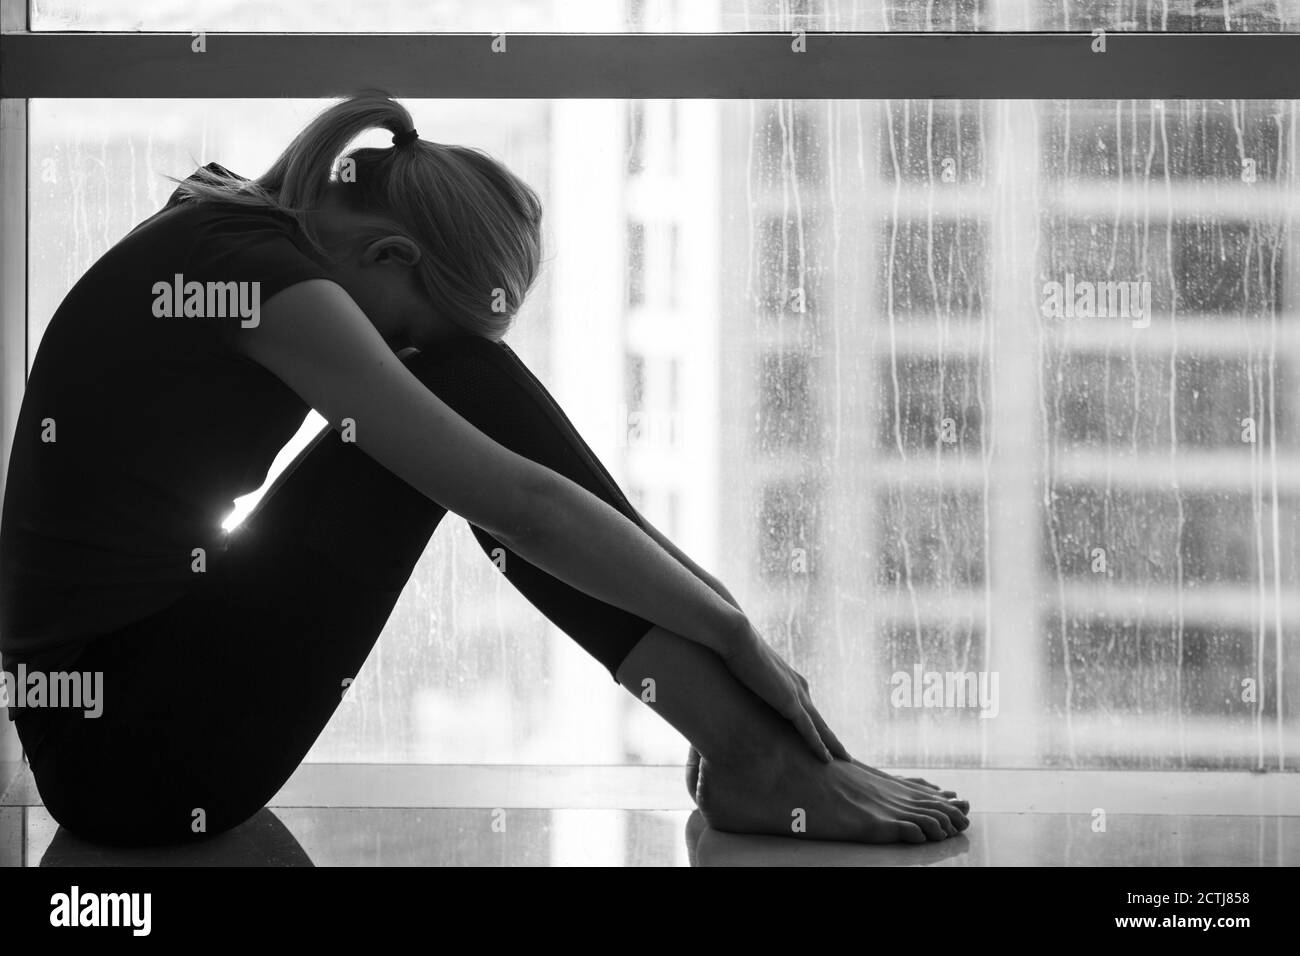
709	66
1002	906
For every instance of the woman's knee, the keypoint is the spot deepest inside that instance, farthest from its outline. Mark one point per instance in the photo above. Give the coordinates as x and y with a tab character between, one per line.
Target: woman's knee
465	366
486	384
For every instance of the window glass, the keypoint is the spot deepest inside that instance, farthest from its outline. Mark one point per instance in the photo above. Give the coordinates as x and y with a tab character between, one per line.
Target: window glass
985	411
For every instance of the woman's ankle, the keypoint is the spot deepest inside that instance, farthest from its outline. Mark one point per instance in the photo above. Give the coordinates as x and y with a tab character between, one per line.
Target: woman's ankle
764	749
689	686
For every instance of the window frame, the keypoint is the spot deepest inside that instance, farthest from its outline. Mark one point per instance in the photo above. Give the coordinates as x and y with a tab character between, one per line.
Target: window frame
977	66
1009	66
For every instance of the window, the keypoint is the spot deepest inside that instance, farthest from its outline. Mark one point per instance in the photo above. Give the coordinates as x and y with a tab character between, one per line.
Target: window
992	386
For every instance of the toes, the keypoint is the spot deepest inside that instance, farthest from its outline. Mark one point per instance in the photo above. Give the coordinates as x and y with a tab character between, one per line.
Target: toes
923	786
950	827
946	794
935	811
956	817
949	796
930	826
908	833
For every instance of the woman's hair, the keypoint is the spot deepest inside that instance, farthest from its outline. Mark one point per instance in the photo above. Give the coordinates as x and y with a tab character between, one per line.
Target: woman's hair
477	224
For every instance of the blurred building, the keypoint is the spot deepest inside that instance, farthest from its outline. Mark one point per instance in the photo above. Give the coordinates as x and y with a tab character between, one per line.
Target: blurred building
921	469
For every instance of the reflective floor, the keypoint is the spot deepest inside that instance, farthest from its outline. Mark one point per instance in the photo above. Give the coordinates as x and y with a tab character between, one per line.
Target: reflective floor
370	815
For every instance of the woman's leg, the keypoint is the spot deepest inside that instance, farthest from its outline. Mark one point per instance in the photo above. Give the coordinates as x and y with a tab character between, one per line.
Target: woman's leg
211	705
521	414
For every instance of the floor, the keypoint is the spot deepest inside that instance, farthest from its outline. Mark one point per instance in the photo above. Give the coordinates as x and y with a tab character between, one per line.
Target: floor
374	814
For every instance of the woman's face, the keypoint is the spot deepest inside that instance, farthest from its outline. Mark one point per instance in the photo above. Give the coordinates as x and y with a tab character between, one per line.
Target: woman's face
382	280
380	274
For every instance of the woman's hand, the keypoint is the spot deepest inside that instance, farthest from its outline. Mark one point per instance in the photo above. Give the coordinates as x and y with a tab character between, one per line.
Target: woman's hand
763	671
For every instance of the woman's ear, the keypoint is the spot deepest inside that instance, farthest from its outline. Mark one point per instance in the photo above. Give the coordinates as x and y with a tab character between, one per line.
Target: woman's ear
391	250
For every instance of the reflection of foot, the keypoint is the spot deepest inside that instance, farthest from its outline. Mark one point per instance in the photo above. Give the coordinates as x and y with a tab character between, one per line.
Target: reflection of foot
706	846
794	794
695	830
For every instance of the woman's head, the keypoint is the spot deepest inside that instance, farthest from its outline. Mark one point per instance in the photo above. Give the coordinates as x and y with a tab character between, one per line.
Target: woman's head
454	223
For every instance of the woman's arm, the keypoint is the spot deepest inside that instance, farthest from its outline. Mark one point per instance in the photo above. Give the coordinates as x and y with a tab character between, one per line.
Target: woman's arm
682	558
316	340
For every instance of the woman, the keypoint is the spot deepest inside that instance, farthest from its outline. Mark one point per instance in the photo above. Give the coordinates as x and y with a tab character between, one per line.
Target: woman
182	362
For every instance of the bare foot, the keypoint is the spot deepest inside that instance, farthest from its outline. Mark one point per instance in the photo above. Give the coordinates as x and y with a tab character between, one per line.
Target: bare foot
795	794
918	783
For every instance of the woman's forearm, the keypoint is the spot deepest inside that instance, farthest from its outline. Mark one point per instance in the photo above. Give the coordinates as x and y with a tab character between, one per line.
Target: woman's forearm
685	560
316	340
574	536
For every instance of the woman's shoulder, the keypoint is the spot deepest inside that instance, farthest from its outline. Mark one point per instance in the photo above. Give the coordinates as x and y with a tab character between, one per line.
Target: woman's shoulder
190	244
205	227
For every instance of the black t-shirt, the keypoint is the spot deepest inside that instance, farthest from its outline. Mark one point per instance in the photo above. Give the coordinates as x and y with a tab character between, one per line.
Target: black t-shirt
157	424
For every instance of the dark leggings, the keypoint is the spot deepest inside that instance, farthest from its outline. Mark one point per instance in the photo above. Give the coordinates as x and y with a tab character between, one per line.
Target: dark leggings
210	705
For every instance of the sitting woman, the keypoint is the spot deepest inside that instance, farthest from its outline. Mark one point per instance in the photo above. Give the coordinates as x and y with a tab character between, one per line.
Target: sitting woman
183	361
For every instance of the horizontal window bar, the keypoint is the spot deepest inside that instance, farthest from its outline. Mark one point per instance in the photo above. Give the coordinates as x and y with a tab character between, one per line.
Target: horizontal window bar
740	66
